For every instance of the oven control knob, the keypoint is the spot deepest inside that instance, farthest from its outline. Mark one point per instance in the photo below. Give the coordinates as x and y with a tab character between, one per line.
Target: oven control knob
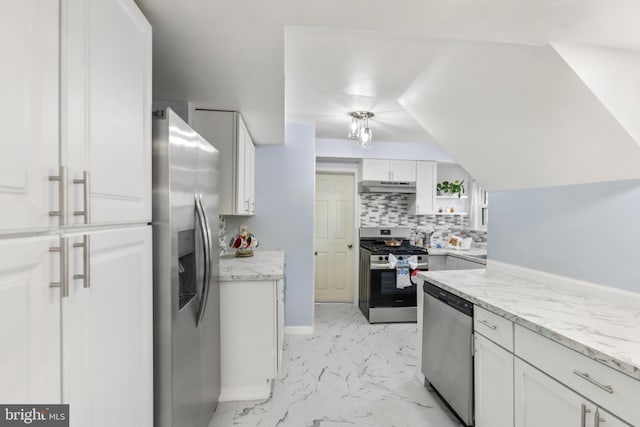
419	258
386	258
380	258
400	257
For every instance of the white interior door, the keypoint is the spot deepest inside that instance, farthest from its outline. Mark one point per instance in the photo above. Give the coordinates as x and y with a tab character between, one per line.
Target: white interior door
334	224
29	321
106	108
108	330
28	113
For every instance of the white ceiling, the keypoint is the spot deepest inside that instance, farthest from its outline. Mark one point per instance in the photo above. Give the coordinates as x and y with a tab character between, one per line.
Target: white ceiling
231	55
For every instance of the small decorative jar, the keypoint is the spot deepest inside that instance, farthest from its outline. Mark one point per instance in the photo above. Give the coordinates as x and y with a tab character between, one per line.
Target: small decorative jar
243	243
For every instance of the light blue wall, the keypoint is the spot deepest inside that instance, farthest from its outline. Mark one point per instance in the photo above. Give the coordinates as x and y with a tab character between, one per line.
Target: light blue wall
285	185
346	149
589	232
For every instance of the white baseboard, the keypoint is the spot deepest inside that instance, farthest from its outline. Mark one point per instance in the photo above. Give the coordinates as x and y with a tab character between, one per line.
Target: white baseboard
235	394
298	330
619	296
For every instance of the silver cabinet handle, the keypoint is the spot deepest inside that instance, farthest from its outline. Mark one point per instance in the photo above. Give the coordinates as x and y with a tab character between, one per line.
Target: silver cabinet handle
598	420
585	376
86	261
253	207
62	195
487	324
87	201
248	202
63	284
583	415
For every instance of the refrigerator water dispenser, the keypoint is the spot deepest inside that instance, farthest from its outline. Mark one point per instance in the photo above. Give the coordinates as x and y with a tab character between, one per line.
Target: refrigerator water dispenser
186	268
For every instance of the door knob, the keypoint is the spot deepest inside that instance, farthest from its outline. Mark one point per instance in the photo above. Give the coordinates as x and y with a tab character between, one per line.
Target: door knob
316	253
350	246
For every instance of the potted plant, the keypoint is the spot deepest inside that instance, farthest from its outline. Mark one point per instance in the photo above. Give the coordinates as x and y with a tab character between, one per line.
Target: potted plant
446	187
442	188
456	187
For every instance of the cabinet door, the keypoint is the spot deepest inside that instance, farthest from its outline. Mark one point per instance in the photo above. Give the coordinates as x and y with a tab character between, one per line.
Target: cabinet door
493	376
280	322
375	170
28	114
251	174
541	401
106	109
425	188
608	420
451	263
108	330
464	264
30	321
242	162
402	170
437	262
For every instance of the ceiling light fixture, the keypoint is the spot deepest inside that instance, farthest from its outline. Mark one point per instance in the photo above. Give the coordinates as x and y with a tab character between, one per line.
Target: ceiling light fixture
359	128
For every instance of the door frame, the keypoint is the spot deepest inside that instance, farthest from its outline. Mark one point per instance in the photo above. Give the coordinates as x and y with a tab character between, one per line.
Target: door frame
348	169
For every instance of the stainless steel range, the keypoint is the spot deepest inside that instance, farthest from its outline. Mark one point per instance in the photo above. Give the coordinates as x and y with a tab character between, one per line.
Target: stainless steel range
381	299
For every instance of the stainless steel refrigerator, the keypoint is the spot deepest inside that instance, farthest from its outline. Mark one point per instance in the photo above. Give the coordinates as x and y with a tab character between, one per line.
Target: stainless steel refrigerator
186	270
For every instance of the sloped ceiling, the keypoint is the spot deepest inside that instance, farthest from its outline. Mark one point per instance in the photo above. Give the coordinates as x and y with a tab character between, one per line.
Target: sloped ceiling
518	116
523	93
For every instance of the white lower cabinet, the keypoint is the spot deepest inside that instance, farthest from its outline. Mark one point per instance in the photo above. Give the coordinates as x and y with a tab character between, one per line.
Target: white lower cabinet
108	329
251	335
542	401
29	321
437	262
493	384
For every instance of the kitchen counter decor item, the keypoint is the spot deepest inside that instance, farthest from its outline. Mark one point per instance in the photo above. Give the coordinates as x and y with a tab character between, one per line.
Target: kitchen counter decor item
243	243
457	242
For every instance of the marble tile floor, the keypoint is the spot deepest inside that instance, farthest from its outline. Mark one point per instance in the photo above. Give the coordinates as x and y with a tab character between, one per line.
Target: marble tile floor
347	374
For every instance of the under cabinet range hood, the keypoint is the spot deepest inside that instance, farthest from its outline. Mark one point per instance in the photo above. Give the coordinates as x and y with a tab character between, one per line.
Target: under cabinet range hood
408	187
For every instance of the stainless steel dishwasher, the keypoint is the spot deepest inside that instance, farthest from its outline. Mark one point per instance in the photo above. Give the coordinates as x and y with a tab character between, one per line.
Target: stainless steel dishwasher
447	352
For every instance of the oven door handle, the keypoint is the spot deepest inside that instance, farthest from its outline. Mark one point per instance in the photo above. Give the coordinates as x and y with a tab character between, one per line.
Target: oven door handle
385	266
380	266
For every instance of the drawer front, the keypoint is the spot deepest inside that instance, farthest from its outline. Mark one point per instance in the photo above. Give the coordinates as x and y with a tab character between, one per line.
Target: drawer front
496	328
609	389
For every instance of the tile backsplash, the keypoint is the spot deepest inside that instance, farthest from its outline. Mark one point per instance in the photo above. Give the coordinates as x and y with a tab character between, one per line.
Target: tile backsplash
222	235
380	209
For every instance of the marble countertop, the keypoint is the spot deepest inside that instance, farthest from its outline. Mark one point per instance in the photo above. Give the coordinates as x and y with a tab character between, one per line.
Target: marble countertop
468	254
263	265
599	329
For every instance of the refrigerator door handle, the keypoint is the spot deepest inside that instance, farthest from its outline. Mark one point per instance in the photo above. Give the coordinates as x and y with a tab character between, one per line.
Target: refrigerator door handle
206	245
208	278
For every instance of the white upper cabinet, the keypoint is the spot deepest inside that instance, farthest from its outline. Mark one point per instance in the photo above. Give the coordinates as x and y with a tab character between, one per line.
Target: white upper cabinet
28	114
227	132
245	173
375	170
30	321
106	110
423	202
402	170
388	170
